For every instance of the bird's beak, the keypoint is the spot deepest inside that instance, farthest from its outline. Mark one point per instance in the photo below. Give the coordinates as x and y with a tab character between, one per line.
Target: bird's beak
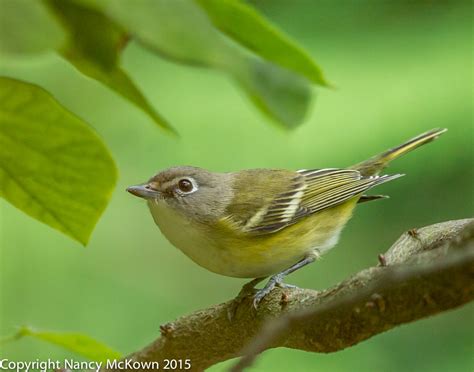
143	191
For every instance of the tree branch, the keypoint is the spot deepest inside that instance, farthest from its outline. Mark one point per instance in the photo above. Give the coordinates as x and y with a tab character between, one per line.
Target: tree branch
425	272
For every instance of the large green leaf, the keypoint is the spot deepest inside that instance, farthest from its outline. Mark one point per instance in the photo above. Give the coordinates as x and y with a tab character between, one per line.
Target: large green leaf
27	27
52	165
246	26
178	29
182	31
280	94
76	342
94	48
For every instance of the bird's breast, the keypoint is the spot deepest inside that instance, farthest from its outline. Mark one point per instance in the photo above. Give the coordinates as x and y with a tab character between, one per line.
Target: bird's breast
222	250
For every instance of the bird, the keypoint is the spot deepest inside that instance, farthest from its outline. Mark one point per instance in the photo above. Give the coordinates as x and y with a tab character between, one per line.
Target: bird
263	223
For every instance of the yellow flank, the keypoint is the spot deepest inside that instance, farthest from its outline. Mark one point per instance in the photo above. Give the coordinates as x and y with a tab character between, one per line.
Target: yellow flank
264	255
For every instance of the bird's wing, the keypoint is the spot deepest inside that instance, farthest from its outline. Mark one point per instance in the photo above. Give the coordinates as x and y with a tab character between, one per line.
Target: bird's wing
310	191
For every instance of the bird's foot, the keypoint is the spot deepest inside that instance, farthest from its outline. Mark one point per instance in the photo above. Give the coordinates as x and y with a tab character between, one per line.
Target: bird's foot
274	281
277	279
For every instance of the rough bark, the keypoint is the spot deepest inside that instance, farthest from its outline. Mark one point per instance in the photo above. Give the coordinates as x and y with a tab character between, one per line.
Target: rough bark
425	272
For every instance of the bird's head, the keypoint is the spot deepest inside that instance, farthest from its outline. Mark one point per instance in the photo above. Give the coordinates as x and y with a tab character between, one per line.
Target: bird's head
194	192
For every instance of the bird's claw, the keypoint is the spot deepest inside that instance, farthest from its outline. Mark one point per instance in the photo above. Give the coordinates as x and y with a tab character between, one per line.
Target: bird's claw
260	295
257	294
276	280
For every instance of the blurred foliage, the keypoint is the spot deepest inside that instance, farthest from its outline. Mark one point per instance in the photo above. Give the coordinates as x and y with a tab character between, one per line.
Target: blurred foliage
181	31
97	32
244	24
94	48
26	27
78	343
52	165
94	34
401	68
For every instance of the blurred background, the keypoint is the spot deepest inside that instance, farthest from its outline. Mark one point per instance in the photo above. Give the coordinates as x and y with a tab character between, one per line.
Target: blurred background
399	68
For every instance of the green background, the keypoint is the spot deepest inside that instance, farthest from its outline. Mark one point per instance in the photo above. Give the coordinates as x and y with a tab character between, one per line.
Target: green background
399	68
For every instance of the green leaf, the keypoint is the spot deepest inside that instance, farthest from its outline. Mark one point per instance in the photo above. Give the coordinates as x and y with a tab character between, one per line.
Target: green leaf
94	48
242	23
53	166
78	343
279	93
182	31
177	29
26	28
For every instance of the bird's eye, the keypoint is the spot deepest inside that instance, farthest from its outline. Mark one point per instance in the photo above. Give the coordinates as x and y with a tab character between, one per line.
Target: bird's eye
185	185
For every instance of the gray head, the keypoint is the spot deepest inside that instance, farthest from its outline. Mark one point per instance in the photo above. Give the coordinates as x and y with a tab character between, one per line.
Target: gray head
194	192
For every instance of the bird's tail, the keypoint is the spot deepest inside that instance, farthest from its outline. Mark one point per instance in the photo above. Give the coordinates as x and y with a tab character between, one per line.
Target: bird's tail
375	164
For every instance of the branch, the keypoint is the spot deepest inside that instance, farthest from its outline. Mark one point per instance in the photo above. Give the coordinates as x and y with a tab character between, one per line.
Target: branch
425	272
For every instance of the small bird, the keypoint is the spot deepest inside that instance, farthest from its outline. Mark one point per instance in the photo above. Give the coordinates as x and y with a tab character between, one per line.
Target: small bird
262	223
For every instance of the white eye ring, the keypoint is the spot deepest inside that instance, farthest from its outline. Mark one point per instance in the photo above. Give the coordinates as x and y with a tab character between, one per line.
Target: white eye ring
186	186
